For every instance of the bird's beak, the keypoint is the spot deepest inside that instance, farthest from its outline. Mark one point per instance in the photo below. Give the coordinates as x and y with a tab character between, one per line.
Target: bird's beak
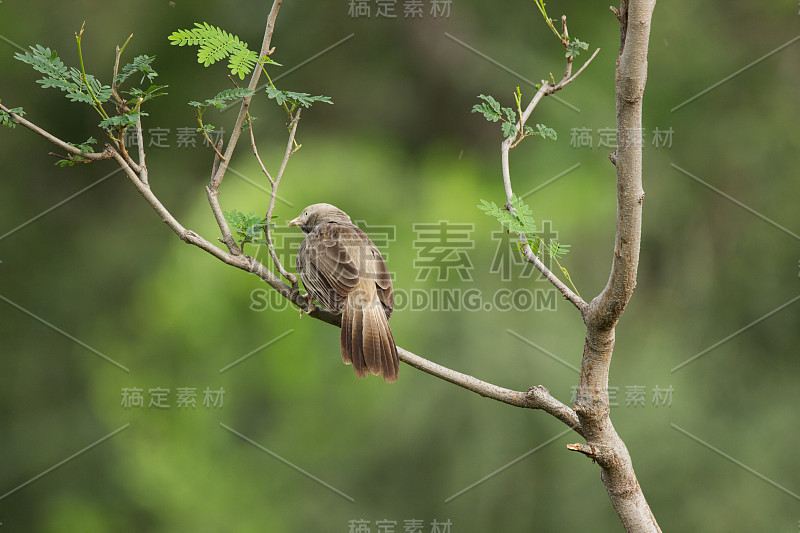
295	222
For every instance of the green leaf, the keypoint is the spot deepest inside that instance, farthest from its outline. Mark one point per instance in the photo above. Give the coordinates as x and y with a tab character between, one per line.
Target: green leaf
215	44
490	108
266	60
7	120
86	146
249	228
242	62
542	131
509	129
295	99
227	95
59	76
575	46
140	65
521	223
121	122
151	92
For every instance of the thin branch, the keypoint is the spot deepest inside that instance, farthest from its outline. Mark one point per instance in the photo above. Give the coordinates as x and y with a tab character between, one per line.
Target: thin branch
567	80
508	143
140	137
120	145
240	119
534	398
227	236
289	151
585	449
119	51
512	141
94	156
215	164
212	191
255	150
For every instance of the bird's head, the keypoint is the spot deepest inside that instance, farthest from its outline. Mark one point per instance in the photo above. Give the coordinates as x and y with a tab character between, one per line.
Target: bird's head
318	214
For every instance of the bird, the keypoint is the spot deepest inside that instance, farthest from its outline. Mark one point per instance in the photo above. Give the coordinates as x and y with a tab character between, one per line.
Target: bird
342	269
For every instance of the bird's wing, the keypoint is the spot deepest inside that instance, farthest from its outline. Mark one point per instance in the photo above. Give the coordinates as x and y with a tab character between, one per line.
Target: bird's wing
376	269
326	265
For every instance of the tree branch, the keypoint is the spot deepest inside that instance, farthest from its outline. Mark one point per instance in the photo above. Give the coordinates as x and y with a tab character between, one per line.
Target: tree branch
508	144
275	184
537	397
93	156
240	119
603	444
212	191
255	151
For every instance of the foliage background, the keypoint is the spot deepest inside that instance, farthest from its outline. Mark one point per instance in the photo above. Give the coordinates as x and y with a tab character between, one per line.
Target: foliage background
401	147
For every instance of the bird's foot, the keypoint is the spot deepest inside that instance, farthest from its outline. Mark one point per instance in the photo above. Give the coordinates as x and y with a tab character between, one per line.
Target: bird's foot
308	310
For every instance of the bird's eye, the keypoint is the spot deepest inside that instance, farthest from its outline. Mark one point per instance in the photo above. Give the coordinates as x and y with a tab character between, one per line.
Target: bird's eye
306	214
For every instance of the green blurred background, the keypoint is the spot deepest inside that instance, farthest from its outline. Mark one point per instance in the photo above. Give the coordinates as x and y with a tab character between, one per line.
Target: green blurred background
400	147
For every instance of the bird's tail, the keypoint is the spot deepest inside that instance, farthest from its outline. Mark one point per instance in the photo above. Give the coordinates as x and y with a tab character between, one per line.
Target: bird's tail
367	341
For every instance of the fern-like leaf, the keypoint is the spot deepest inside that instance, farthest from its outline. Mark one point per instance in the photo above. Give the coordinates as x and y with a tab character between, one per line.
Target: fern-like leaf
7	120
225	96
295	99
140	65
242	62
216	44
249	228
59	76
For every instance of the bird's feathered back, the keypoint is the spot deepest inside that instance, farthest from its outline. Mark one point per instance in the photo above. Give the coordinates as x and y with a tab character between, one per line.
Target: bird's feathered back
343	270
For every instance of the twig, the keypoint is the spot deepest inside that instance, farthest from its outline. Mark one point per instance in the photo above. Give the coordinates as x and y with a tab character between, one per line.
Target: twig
237	129
227	237
120	144
94	156
215	164
255	150
529	255
116	71
289	151
566	81
512	141
140	137
212	191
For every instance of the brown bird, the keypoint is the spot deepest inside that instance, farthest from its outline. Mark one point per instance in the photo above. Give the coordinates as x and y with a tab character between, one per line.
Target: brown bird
342	269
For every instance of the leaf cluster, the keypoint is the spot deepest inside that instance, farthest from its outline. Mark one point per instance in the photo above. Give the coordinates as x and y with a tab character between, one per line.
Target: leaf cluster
86	88
248	228
59	76
295	99
521	222
222	97
574	47
140	65
491	110
7	120
215	44
71	159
